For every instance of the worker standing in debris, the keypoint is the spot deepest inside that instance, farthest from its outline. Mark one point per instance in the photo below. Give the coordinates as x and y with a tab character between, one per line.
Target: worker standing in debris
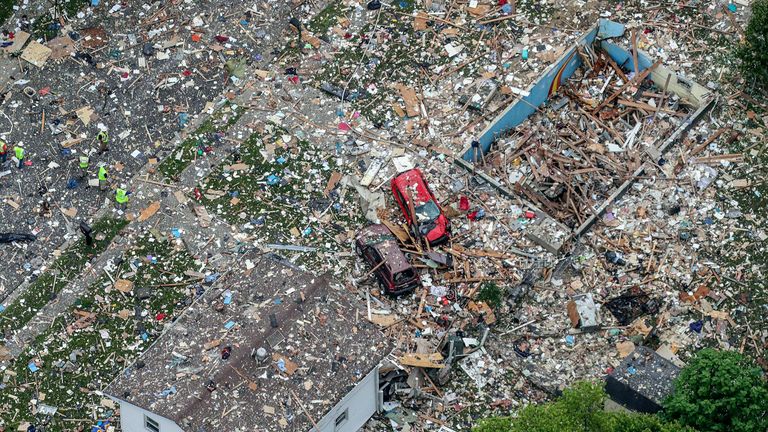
84	162
87	233
103	138
102	177
19	153
3	151
121	197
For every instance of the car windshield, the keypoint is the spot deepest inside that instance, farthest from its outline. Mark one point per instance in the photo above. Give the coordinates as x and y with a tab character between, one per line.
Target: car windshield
376	239
427	212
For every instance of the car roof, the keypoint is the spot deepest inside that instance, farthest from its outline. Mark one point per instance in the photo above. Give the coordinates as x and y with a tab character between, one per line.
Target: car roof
386	245
406	181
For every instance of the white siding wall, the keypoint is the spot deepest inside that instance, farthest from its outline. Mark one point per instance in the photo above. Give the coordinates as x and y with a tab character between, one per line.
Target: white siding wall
360	404
132	419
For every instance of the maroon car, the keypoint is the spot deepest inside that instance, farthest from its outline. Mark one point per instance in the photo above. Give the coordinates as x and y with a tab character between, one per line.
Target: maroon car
378	247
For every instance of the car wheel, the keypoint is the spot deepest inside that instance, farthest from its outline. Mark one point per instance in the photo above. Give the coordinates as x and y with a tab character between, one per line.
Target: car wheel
381	283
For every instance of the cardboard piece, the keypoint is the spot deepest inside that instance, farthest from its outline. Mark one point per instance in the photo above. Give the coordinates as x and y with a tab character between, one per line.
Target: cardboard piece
36	53
149	211
18	42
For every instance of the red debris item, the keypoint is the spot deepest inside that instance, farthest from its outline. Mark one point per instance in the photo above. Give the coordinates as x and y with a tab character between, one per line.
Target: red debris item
347	35
198	194
294	79
161	316
502	2
226	352
221	38
444	301
196	37
472	216
529	214
125	75
463	203
187	72
343	126
44	91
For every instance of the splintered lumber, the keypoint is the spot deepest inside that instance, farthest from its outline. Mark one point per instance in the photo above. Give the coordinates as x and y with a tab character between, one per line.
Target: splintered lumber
638	78
400	233
423	360
698	149
733	157
410	98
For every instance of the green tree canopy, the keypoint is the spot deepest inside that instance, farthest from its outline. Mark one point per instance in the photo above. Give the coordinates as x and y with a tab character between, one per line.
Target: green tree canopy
580	409
753	53
720	391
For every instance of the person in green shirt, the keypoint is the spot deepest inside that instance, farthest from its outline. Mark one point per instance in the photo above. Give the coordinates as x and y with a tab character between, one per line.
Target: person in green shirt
19	153
102	177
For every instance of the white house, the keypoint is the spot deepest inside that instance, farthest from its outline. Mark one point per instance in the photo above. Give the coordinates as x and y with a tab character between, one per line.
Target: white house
274	349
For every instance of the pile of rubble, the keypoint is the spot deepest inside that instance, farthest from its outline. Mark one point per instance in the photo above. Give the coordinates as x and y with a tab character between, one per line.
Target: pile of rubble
297	155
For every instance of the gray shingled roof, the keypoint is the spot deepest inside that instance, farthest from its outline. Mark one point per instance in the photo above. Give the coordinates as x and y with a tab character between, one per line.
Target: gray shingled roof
324	336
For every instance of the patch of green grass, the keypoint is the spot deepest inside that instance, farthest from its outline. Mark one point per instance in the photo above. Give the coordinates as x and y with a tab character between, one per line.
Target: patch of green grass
44	27
402	59
63	270
105	345
326	18
539	12
187	151
743	252
491	294
72	7
280	196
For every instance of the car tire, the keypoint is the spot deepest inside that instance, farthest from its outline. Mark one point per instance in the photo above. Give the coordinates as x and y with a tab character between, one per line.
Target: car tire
382	285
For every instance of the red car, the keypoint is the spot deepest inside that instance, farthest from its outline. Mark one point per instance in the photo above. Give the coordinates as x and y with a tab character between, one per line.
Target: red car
378	247
421	209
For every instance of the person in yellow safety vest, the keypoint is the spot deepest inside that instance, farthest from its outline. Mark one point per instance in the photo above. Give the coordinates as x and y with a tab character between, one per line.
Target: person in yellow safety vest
3	151
103	138
84	162
121	197
19	155
102	178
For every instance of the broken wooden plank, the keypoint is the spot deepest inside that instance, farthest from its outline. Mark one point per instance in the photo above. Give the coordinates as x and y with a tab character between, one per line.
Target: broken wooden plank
149	211
410	98
202	216
124	285
431	361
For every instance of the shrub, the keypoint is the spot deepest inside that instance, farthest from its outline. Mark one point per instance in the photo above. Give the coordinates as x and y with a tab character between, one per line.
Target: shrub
490	293
720	391
580	409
